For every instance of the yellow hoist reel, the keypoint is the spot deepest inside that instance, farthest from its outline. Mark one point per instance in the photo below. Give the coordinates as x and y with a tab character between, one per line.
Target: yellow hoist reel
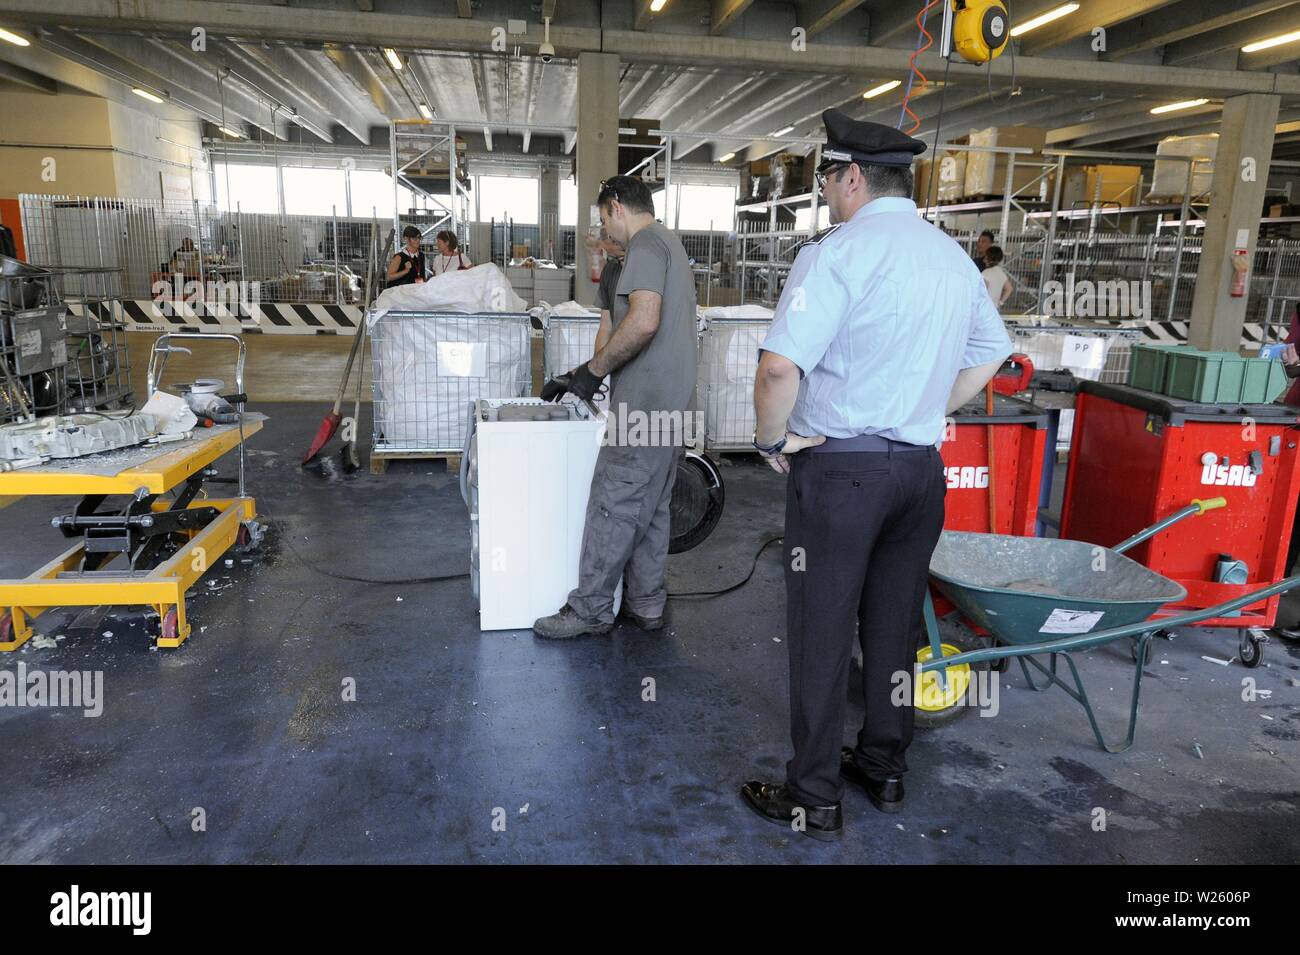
980	29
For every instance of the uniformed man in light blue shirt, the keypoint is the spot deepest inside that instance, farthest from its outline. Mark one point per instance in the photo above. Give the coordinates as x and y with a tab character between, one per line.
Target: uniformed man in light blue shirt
883	328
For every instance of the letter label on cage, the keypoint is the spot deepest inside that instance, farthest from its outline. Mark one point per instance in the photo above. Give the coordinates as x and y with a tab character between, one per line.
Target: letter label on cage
462	359
1071	621
1080	351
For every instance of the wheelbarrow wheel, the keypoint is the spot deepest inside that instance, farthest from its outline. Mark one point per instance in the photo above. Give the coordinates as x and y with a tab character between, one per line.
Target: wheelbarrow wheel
1251	651
934	704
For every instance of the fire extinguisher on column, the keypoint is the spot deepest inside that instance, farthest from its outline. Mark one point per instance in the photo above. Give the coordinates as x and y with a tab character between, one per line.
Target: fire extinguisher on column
595	254
1240	272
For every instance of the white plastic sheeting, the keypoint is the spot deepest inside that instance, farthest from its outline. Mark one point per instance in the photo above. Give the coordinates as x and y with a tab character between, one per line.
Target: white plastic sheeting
481	289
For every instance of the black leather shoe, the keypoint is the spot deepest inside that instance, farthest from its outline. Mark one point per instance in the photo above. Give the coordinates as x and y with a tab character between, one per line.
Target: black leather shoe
887	796
775	803
640	622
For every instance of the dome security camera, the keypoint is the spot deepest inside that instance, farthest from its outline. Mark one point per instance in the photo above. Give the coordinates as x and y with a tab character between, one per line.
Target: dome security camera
546	51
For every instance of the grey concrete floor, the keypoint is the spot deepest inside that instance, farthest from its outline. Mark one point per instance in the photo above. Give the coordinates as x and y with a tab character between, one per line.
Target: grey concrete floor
452	728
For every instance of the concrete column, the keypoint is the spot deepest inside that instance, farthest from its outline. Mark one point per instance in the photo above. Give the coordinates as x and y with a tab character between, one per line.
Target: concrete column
597	150
1237	197
548	197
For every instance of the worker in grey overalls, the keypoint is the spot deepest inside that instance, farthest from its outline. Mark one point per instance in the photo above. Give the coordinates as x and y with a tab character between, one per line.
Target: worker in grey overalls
650	354
883	328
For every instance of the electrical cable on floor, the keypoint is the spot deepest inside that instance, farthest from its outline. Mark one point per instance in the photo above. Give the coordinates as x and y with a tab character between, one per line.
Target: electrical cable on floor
688	595
284	538
706	594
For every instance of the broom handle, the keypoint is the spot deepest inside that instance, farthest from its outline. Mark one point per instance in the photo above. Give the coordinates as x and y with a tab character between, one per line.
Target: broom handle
356	339
993	503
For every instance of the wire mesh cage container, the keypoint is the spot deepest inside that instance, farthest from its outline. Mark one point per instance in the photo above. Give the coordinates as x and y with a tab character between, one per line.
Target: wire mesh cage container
99	357
1096	352
568	341
725	387
430	366
33	350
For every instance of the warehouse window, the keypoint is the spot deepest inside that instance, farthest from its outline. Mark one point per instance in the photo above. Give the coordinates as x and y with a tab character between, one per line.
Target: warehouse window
314	192
706	207
252	188
372	194
568	202
802	214
508	197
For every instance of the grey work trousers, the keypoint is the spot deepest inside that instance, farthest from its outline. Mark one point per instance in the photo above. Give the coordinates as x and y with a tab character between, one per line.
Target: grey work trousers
627	532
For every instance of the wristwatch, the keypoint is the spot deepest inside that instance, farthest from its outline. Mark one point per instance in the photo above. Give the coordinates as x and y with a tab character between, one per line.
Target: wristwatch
769	451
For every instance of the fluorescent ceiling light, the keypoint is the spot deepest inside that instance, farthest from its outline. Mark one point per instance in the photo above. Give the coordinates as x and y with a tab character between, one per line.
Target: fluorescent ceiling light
783	130
393	58
657	5
1174	107
146	94
14	38
1260	44
426	112
1048	17
231	132
882	88
727	157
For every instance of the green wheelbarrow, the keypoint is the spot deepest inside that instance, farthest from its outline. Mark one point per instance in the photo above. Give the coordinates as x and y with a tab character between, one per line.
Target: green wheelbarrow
1037	595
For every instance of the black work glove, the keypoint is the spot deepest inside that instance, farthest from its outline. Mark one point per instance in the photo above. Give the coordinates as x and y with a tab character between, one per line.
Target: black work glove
555	388
583	383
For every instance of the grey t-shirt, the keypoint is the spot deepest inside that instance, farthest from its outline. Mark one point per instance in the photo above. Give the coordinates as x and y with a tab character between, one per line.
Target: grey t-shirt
605	291
662	376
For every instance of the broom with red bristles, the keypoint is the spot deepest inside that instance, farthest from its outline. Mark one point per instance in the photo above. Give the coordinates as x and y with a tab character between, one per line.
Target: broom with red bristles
330	423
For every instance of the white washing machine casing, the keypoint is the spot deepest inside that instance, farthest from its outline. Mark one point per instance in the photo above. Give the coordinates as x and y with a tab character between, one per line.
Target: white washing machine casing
527	484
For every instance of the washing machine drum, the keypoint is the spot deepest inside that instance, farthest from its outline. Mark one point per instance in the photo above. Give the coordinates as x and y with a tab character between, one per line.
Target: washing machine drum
696	506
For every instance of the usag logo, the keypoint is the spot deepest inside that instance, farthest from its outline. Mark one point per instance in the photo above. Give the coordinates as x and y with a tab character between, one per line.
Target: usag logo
967	477
1238	475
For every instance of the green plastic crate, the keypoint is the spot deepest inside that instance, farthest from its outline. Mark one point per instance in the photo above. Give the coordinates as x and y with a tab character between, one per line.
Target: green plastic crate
1149	366
1205	377
1278	382
1256	384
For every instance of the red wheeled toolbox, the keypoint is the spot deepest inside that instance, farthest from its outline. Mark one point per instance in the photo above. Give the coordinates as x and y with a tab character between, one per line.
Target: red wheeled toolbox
1137	457
1022	466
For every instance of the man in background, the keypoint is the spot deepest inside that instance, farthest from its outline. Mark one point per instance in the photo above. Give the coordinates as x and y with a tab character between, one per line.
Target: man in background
607	289
982	246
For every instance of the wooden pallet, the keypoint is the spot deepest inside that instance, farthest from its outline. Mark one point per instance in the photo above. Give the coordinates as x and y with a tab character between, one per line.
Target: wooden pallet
379	459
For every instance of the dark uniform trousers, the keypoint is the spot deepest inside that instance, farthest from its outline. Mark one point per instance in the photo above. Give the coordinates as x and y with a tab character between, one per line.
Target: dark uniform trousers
859	531
627	532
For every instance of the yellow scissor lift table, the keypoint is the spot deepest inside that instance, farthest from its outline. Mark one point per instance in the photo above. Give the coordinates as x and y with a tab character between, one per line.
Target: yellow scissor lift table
142	529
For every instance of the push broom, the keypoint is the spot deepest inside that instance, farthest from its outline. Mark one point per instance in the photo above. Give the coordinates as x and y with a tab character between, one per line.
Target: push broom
330	424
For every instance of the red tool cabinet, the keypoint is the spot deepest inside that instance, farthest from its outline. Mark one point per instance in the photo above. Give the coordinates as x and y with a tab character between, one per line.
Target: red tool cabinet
1137	456
1023	468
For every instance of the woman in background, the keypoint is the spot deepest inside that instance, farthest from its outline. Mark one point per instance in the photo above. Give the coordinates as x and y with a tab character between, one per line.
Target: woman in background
449	258
407	266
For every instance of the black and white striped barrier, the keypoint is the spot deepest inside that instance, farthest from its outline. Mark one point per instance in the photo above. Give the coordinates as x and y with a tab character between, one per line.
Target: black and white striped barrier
273	318
1175	333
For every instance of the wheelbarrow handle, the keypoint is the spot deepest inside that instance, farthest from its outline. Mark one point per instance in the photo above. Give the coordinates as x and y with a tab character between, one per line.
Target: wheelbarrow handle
1196	507
1088	640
